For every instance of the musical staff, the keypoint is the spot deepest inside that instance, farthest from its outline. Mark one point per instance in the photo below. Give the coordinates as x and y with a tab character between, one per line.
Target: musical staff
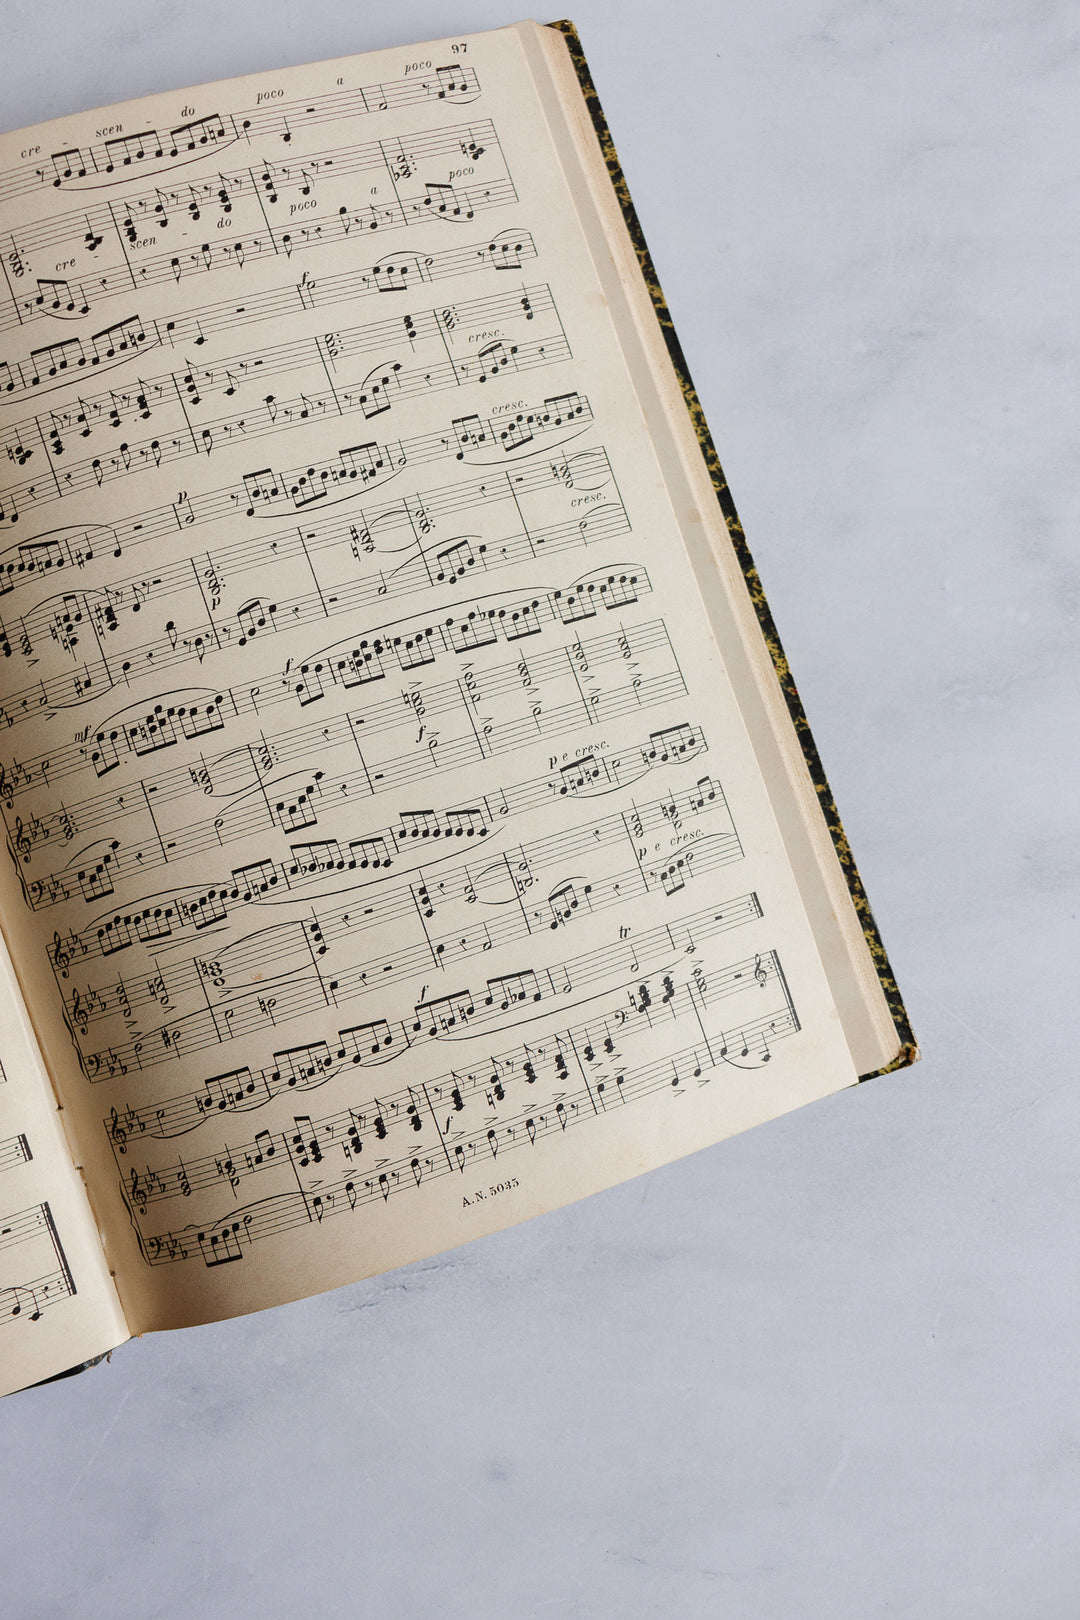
444	561
401	646
270	210
430	1020
235	374
29	1240
500	879
137	731
377	659
462	723
376	1125
45	367
180	430
96	164
444	1127
234	998
354	468
14	1151
321	862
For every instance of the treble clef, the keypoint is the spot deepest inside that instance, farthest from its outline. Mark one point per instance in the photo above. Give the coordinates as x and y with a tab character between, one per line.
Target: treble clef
760	973
79	1013
117	1131
22	840
61	957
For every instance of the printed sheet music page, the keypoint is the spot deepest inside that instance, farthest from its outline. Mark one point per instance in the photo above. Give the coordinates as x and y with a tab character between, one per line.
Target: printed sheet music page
390	861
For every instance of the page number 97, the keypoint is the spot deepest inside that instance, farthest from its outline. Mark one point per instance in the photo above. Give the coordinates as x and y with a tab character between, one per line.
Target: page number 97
459	50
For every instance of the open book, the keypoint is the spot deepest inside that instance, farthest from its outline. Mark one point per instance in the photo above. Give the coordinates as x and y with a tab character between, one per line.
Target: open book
413	825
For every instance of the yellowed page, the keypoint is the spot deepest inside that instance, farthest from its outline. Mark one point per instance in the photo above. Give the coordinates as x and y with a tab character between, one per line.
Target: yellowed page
392	855
58	1304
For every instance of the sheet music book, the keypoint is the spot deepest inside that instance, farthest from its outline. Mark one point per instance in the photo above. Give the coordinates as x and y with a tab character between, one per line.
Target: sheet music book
413	825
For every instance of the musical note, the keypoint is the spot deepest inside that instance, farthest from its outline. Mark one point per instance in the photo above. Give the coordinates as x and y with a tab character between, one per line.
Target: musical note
32	1238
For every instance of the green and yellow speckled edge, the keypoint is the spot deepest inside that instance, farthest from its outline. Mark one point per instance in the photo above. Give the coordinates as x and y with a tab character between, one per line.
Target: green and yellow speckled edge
908	1049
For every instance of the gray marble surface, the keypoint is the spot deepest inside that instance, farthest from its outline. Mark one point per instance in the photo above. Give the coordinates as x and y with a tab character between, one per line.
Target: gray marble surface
829	1369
